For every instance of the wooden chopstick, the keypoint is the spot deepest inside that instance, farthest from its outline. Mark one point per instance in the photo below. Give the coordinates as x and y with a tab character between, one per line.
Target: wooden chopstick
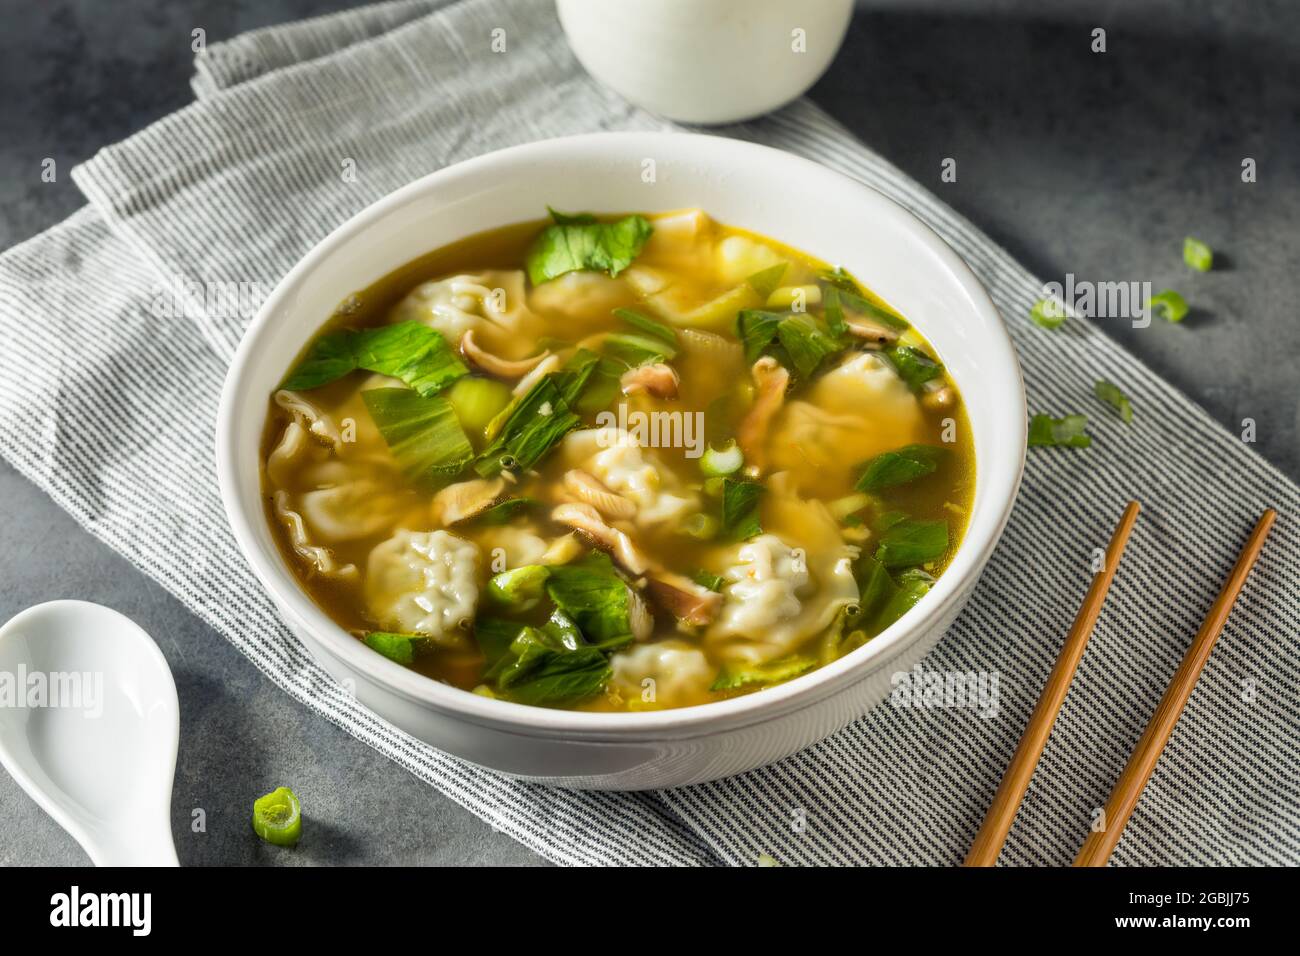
1097	848
997	822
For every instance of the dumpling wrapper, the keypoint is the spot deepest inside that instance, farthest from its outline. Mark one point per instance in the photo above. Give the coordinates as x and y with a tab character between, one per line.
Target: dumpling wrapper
492	303
851	414
784	587
679	673
424	582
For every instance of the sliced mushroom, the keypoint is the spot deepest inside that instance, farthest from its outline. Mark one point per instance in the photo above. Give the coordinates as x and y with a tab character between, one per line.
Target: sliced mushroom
689	602
639	616
658	379
585	518
465	499
771	380
494	364
872	334
588	489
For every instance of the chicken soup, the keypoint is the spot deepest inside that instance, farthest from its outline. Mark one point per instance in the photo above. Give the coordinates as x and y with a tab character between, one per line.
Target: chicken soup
617	463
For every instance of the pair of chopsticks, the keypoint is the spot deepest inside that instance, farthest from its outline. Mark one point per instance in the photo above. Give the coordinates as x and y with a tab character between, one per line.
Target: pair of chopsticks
1098	846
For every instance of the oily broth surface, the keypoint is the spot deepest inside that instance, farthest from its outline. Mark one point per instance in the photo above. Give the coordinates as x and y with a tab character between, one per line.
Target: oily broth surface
722	394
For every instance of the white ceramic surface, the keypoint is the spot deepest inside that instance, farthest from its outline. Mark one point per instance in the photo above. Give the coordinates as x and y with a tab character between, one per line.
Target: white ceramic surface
706	61
99	752
765	190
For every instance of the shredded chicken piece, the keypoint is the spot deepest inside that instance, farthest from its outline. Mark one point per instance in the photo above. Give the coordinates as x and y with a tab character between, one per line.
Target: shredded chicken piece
585	518
494	364
590	490
771	379
657	379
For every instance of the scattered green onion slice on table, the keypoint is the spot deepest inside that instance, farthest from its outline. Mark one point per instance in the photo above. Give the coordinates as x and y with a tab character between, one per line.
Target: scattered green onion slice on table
1048	313
1109	393
1197	255
1169	305
277	817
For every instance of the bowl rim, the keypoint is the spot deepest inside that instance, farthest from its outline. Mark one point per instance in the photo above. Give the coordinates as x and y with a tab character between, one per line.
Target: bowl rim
1001	481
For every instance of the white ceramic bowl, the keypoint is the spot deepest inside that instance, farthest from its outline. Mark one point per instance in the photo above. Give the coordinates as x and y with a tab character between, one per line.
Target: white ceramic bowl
773	193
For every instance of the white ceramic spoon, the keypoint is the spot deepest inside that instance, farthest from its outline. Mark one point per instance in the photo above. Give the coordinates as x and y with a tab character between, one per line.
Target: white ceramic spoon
99	752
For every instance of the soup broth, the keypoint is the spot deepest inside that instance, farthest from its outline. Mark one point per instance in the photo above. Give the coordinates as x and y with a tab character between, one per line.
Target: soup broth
617	464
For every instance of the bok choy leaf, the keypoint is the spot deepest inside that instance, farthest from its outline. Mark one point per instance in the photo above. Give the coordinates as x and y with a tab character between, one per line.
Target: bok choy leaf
596	597
578	243
422	432
531	428
409	351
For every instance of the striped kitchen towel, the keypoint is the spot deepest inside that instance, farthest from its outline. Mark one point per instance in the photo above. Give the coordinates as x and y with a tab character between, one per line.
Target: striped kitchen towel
108	405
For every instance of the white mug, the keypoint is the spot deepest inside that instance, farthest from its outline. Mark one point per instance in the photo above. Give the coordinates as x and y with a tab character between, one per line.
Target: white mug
706	61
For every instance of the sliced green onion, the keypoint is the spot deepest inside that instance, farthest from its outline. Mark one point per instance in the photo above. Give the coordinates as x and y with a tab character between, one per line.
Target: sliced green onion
634	350
1109	393
726	460
766	281
1169	305
396	647
915	367
1068	432
651	327
1048	313
476	401
733	675
1197	255
277	817
702	527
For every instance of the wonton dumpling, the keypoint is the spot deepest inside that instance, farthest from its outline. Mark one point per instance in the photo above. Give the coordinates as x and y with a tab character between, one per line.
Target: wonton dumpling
681	674
295	444
773	603
736	258
851	414
352	510
579	302
613	456
520	545
424	582
491	303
